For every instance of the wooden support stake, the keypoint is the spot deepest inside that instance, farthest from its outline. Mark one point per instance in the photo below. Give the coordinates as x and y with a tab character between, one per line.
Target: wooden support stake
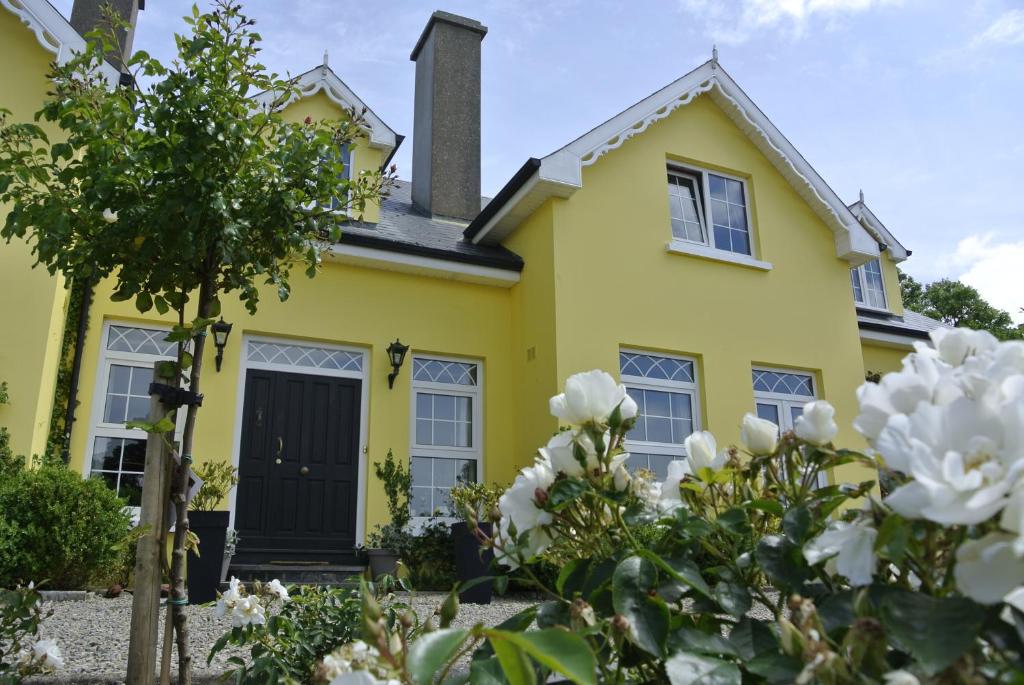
148	577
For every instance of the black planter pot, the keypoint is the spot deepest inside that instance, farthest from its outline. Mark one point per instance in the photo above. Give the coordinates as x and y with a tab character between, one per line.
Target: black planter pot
204	571
470	564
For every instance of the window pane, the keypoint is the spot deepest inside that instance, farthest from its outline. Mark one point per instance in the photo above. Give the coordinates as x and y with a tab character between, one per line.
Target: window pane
794	414
421	468
463	434
659	429
141	378
134	455
769	412
423	434
738	217
423	403
106	454
463	409
722	241
740	242
444	472
116	409
444	433
119	380
659	464
719	212
717	184
131	488
735	192
138	409
444	407
420	501
658	403
467	471
858	295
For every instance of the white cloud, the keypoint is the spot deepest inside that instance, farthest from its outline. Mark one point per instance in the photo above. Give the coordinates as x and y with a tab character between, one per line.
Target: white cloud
734	23
1007	29
994	268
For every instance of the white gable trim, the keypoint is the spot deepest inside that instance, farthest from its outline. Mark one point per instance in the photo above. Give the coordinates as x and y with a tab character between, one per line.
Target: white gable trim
564	168
388	260
53	31
324	79
897	252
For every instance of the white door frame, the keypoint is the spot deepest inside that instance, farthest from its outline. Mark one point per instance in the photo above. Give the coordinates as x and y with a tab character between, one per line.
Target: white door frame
243	367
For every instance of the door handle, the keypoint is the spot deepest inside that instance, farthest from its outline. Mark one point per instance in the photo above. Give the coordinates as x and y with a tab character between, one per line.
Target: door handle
304	471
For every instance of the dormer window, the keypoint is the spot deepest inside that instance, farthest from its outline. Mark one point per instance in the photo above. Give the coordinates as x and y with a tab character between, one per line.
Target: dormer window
340	203
868	286
698	199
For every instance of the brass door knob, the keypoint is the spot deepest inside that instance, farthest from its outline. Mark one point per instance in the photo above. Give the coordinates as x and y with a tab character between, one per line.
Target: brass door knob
304	471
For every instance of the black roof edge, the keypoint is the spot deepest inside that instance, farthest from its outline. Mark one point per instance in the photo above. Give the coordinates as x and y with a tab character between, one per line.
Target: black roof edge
509	261
896	330
399	139
517	181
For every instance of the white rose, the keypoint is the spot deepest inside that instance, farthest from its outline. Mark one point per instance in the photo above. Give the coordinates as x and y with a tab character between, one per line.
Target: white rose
956	345
759	435
560	452
670	497
620	474
816	425
852	545
109	215
227	600
591	396
275	588
702	452
248	610
518	507
47	652
900	677
987	569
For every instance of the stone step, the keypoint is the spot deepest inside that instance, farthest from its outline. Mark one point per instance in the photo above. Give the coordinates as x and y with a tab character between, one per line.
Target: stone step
293	573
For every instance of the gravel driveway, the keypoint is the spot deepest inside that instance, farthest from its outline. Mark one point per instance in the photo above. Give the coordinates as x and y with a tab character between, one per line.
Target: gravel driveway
93	634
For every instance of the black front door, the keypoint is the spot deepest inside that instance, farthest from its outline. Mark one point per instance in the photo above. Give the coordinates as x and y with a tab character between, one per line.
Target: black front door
298	468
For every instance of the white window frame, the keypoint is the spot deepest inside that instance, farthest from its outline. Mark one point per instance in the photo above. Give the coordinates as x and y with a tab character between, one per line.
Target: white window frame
475	393
97	427
785	402
683	387
860	273
702	176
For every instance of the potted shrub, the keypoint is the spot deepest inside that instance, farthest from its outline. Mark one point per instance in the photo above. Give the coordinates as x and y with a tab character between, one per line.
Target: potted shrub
386	543
205	566
474	503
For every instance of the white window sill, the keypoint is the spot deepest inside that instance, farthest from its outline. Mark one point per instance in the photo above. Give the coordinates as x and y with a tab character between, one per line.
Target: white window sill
698	250
869	308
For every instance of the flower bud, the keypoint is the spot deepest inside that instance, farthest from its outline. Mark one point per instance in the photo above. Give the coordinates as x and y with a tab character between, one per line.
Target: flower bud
791	639
540	496
582	612
620	623
759	435
408	618
395	644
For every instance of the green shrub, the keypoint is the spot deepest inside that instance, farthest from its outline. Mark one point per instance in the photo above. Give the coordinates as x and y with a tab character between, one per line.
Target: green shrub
430	556
59	528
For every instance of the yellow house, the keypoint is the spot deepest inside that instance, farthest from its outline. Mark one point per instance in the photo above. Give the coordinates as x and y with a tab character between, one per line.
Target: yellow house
683	244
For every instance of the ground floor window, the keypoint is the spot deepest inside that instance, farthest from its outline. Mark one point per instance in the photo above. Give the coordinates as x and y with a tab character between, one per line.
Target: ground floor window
665	390
780	396
446	431
117	454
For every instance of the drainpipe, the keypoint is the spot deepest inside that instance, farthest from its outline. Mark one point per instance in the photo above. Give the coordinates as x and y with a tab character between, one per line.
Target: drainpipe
76	370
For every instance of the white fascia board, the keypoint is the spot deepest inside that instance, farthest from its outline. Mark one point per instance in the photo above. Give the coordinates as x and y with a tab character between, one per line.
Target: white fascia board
324	79
556	177
894	340
424	266
564	167
54	32
897	252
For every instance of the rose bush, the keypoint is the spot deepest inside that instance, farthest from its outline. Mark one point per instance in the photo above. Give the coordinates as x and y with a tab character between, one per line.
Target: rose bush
739	567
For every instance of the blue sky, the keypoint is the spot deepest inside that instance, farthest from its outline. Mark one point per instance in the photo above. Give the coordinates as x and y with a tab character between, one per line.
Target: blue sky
917	102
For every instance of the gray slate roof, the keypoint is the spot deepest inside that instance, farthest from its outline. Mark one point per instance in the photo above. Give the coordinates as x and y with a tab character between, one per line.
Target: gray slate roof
910	324
402	228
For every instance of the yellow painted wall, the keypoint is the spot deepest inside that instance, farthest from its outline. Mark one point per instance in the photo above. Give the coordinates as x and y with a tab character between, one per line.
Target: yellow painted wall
533	315
365	158
728	317
883	359
892	285
31	301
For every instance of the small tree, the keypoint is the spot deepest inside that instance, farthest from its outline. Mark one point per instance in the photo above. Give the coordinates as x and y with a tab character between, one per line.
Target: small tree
182	191
957	304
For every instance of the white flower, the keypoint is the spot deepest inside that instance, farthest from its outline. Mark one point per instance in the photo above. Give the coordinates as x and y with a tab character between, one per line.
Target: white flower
227	600
759	435
109	215
248	610
956	345
620	474
561	453
591	396
702	452
670	497
900	677
275	588
47	652
518	507
987	569
853	546
817	425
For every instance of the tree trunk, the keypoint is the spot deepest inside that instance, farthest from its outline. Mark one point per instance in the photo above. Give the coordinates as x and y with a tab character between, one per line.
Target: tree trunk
179	497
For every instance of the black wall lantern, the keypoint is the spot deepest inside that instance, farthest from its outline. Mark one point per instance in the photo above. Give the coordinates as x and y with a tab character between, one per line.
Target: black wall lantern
221	330
396	353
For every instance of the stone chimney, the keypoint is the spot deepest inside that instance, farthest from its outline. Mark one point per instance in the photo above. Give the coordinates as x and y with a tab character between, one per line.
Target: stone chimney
87	15
446	126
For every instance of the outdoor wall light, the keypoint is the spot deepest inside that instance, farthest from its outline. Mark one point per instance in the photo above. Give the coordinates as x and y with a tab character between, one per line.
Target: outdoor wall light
396	353
221	330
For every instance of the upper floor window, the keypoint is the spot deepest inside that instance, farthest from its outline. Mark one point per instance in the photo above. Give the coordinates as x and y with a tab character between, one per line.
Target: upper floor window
698	199
446	431
868	286
665	391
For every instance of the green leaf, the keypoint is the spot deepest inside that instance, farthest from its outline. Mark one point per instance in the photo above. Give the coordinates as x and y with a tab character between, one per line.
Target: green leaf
683	570
733	597
428	655
893	538
571	577
648	616
796	523
164	425
140	425
699	642
769	506
143	302
735	521
486	671
557	649
691	669
751	638
564	492
514	663
777	669
935	631
782	561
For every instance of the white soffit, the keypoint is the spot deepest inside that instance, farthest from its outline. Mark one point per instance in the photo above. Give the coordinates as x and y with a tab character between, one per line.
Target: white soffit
53	31
561	172
323	78
897	252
